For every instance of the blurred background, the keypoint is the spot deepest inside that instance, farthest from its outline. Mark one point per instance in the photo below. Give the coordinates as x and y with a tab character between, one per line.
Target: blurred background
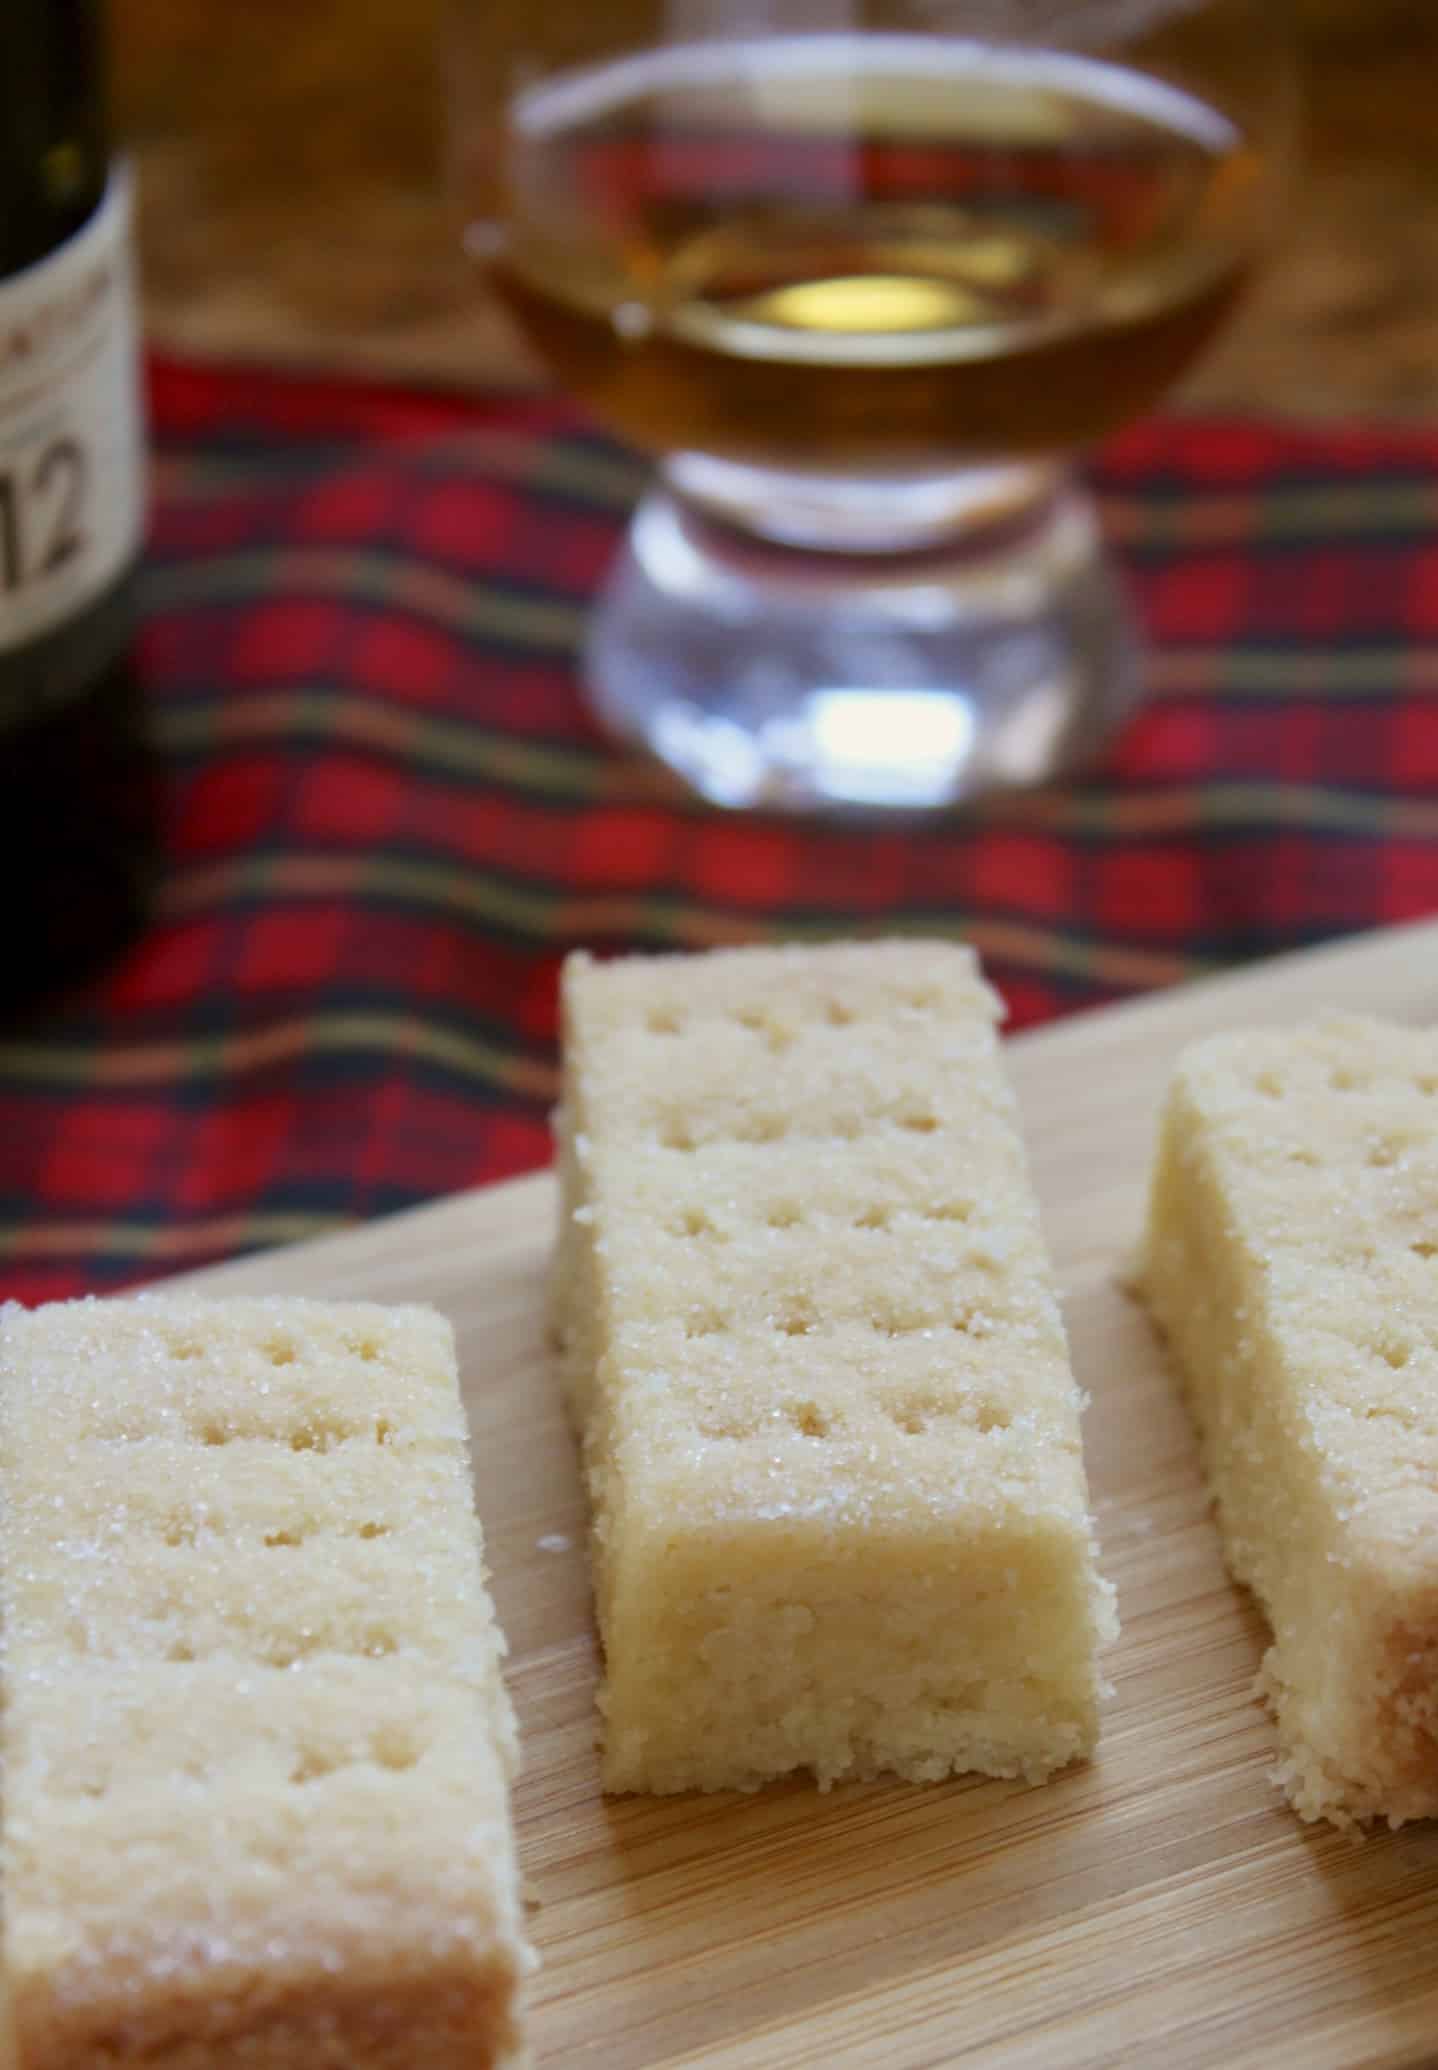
385	810
290	157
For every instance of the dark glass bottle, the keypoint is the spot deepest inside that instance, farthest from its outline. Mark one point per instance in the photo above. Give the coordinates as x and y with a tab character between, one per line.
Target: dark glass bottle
77	795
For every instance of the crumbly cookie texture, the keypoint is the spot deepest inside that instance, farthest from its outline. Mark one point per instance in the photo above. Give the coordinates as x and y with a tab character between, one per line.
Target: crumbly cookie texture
256	1745
1291	1260
811	1341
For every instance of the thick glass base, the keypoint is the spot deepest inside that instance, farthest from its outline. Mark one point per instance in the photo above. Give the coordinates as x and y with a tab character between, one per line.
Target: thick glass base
987	645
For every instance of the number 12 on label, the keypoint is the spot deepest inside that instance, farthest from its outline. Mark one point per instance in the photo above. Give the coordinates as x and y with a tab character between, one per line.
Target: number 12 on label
40	514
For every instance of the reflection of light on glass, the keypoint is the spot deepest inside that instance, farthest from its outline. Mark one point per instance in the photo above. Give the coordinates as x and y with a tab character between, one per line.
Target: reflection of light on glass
812	80
711	751
887	302
888	746
677	569
1026	740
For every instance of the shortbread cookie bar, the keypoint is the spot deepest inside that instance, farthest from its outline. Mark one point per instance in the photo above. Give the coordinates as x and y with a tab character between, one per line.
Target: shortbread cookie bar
812	1343
256	1745
1292	1262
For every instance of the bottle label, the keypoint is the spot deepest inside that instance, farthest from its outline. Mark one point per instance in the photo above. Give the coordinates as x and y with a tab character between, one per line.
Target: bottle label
71	448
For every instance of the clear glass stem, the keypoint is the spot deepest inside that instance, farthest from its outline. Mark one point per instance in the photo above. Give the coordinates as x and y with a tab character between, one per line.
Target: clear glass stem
805	641
871	513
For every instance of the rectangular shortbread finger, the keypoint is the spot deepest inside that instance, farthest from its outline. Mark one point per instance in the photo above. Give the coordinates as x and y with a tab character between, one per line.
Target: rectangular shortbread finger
812	1344
1291	1259
256	1744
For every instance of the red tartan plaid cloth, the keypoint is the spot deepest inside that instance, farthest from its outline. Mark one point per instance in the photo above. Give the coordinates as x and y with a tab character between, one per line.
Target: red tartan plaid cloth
389	815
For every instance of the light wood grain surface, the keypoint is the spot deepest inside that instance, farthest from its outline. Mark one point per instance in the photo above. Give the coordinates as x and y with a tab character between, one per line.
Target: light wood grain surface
1159	1906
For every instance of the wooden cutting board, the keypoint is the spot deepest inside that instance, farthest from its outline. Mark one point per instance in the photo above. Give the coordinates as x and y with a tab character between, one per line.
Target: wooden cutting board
1160	1906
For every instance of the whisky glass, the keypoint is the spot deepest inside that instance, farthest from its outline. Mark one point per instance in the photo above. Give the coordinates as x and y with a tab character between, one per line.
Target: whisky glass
866	278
